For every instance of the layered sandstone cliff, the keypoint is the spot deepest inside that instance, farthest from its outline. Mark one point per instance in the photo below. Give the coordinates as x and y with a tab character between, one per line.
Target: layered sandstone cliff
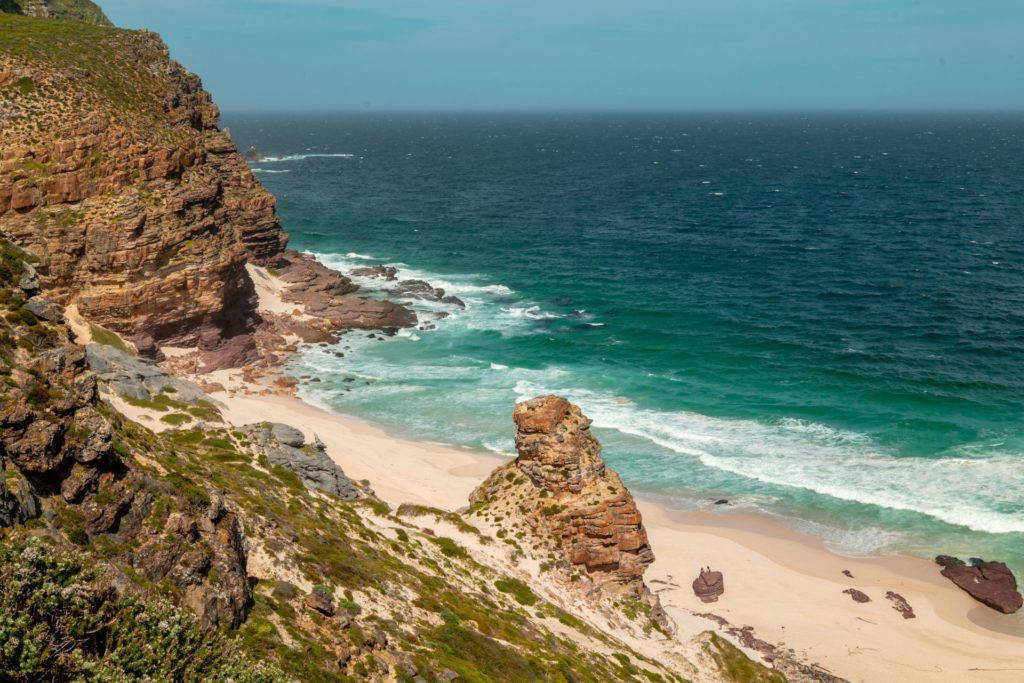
114	172
561	490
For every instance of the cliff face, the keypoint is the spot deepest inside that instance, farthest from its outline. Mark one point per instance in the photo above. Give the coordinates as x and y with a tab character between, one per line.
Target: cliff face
561	489
60	456
114	172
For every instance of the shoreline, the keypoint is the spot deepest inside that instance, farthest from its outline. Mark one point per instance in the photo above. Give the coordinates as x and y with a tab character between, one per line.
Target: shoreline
784	583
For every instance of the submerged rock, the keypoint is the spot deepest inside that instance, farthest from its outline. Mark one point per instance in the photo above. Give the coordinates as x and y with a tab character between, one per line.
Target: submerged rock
990	583
388	273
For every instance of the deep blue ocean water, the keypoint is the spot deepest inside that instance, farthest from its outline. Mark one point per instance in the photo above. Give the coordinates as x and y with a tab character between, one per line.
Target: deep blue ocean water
819	316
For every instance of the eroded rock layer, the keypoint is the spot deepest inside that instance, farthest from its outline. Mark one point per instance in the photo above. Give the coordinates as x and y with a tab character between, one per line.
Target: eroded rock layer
60	458
114	172
561	485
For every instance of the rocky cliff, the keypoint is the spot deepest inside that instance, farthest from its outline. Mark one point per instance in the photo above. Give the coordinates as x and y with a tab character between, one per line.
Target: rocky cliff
560	489
62	459
114	172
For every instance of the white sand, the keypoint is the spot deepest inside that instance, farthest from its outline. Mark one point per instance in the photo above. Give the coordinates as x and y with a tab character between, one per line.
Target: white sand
786	585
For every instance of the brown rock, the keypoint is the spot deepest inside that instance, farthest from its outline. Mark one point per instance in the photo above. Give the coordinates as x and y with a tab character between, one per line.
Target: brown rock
562	488
321	600
145	224
857	595
900	604
709	585
991	583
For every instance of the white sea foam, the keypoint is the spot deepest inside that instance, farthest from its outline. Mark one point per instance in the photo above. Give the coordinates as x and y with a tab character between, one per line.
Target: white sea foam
300	157
498	366
364	257
532	312
970	491
269	170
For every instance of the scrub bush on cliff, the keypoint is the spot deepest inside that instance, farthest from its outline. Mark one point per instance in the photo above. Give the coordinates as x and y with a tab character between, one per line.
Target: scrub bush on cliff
60	621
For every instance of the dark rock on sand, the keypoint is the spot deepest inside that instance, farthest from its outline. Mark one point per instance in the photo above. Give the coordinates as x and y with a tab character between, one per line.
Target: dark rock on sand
900	604
991	583
709	585
857	595
721	501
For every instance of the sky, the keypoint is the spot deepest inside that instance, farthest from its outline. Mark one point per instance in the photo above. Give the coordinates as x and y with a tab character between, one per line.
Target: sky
290	55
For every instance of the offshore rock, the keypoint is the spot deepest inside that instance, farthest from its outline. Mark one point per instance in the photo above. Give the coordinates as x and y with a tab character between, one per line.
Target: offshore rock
560	486
990	583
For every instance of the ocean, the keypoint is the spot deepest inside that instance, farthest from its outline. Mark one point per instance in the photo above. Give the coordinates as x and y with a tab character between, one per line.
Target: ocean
818	317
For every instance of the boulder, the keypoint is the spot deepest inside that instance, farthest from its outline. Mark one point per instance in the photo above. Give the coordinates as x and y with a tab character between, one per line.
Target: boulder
137	378
990	583
288	435
709	585
277	443
321	600
29	282
46	310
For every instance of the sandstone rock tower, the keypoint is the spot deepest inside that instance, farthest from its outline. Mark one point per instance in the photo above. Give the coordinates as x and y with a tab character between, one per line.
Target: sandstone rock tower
561	489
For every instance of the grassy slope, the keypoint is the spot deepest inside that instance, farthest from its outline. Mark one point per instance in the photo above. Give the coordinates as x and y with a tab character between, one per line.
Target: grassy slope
80	10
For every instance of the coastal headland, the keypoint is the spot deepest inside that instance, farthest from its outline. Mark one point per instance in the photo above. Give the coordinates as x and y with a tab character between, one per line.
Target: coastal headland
152	436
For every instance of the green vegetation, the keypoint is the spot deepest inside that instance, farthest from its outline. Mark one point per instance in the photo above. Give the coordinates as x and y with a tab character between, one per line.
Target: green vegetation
176	419
60	621
736	666
101	335
519	590
80	10
103	68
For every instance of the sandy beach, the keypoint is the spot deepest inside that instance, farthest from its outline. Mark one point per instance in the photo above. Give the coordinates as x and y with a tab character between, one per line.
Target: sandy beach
786	585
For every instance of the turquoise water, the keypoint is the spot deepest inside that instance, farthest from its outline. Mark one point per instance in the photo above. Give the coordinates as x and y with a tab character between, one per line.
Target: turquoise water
820	317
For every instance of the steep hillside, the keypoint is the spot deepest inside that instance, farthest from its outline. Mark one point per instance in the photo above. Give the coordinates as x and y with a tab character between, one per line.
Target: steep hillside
248	528
113	171
81	10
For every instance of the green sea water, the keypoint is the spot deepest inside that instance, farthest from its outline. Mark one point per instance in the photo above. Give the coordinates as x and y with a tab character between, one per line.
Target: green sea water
820	317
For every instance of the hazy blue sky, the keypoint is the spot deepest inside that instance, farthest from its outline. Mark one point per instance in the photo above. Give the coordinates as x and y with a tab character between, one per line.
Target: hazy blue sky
544	54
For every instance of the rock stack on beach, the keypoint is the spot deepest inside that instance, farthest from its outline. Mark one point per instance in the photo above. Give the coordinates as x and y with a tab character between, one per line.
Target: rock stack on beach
560	487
